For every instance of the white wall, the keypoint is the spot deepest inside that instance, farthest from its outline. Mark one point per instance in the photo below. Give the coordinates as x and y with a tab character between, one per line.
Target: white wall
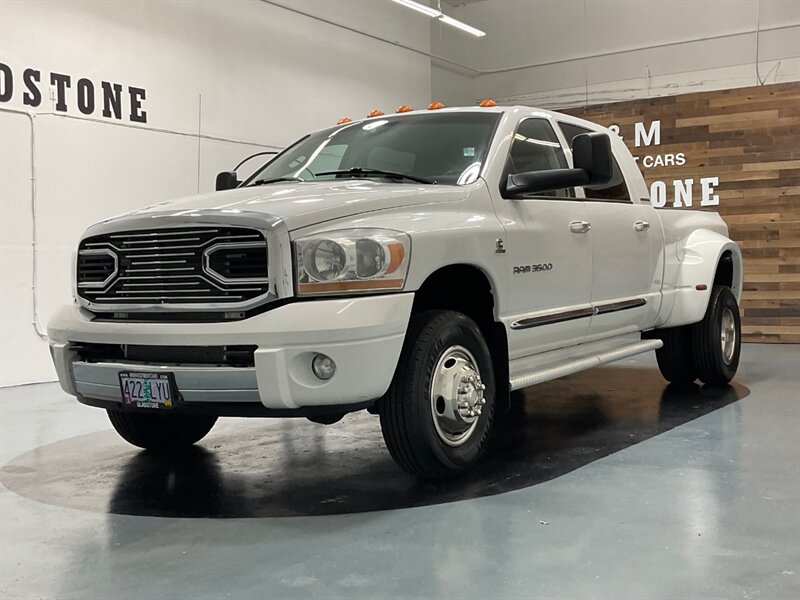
266	76
639	49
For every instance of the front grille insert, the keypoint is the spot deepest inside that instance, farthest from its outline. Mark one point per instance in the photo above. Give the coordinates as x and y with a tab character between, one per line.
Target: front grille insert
97	268
232	356
237	262
188	265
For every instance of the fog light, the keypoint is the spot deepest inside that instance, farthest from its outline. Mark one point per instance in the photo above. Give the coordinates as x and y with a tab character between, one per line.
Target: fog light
323	367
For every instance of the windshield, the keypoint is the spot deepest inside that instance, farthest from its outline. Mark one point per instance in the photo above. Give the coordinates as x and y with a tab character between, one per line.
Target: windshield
443	148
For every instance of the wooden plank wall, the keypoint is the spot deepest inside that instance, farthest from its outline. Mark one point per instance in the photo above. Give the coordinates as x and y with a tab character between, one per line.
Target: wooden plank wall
750	139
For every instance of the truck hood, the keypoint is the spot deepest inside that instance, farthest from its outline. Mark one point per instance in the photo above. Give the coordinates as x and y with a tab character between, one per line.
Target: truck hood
307	203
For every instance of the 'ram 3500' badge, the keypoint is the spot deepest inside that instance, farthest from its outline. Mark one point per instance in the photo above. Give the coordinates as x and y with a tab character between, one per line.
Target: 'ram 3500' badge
533	268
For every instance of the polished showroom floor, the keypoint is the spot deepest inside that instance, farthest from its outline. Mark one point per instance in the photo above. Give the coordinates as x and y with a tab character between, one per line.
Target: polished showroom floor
606	484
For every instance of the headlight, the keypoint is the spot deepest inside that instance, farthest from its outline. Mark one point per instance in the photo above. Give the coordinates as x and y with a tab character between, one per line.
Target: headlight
353	260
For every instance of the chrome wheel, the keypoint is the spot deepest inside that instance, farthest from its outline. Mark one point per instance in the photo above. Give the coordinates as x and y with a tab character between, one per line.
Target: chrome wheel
728	335
456	395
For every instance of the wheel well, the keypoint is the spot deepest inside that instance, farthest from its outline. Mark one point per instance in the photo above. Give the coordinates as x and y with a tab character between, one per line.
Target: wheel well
466	289
724	274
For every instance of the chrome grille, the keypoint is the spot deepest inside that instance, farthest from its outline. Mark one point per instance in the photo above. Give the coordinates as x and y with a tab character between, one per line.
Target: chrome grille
190	265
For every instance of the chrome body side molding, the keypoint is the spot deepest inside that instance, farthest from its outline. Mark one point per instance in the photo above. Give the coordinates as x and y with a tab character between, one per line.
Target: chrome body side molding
560	317
579	313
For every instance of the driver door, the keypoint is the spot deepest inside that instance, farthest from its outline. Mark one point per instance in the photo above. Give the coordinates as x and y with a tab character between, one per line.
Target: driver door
548	248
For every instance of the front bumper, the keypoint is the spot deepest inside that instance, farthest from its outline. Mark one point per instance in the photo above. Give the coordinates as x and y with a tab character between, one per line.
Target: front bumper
364	336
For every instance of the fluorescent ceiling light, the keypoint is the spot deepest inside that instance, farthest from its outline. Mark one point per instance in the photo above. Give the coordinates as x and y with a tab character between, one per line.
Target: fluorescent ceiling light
425	10
459	25
437	14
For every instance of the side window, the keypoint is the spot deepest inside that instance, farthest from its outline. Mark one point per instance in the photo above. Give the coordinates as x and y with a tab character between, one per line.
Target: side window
536	148
615	190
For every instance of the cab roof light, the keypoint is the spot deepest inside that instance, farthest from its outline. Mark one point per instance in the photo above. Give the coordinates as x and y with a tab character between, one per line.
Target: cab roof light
487	103
344	120
404	108
375	112
435	106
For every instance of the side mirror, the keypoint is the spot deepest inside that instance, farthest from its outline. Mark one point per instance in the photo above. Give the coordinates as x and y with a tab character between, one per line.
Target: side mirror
227	180
591	155
545	181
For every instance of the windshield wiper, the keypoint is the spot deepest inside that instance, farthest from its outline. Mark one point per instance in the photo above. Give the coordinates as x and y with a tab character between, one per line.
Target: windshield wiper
358	171
275	180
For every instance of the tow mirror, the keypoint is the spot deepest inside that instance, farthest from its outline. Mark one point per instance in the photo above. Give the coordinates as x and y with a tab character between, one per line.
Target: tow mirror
591	156
227	180
592	153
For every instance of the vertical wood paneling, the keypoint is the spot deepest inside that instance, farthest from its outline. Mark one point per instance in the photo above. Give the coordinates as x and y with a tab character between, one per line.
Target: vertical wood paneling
750	139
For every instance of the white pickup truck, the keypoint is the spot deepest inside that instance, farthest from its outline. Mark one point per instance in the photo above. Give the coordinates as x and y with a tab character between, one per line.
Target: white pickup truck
420	265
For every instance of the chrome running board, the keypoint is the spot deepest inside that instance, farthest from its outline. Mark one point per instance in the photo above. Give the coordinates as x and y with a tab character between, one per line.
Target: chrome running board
524	372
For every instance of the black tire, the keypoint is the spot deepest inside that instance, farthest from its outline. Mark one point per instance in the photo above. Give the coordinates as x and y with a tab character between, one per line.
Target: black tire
159	431
407	410
715	366
675	360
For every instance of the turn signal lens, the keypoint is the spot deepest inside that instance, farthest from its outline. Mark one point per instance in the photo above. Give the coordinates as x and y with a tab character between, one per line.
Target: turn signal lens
344	120
435	106
375	112
404	108
487	103
397	252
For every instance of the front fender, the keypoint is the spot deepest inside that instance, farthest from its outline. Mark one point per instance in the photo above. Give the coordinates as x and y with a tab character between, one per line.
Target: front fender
699	258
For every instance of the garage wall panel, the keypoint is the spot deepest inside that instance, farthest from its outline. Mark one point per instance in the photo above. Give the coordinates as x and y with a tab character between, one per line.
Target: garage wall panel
748	139
221	80
552	53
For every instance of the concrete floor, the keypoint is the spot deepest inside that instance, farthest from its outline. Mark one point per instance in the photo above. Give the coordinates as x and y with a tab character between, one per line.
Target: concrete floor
607	484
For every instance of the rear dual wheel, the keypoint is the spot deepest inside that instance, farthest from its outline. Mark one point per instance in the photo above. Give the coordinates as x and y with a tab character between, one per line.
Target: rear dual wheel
438	412
716	340
708	350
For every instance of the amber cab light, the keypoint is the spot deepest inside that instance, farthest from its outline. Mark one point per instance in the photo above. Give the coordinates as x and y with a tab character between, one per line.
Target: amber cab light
344	120
375	112
487	103
435	106
404	108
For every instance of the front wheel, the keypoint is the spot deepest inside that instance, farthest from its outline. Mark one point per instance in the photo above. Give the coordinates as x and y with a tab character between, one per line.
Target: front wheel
716	340
438	412
160	431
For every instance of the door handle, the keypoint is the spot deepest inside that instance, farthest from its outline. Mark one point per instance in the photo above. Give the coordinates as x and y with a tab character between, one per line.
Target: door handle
580	226
641	226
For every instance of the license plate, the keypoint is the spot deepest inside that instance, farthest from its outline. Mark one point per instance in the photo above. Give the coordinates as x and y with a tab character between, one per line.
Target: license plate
148	390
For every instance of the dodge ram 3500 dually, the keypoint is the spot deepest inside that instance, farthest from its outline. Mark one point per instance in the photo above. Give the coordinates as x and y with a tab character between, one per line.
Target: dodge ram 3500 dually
421	266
